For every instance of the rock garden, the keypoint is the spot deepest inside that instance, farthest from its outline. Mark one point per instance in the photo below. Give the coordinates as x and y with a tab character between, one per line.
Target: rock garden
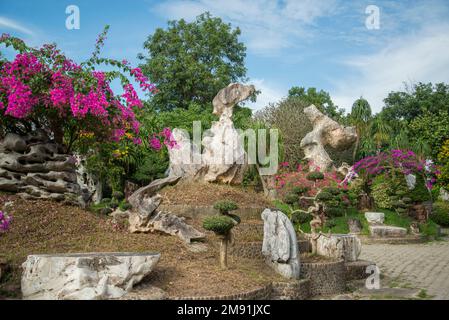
116	196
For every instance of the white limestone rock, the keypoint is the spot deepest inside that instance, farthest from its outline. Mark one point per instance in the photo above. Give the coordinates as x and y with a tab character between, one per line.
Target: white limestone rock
223	158
339	246
326	132
444	195
280	246
84	276
387	232
375	218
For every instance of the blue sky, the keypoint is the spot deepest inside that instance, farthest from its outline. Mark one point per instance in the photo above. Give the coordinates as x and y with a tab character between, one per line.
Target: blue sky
311	43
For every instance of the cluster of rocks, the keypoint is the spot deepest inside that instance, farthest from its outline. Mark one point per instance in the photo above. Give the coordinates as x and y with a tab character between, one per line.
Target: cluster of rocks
223	158
34	167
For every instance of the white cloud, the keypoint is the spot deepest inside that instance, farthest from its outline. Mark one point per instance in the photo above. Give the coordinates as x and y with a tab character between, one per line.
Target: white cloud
420	57
267	26
269	94
14	25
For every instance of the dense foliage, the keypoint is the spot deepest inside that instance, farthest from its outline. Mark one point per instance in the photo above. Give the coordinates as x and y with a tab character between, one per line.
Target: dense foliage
191	62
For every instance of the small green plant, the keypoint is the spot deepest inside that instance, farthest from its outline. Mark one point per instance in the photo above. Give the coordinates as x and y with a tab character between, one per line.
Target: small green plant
221	225
118	195
324	196
301	217
299	190
313	176
225	206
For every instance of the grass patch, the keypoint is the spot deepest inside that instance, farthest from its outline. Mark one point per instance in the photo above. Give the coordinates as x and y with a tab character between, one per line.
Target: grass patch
430	229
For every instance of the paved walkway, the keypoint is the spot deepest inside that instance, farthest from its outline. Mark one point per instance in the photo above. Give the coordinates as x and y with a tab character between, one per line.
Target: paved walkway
424	266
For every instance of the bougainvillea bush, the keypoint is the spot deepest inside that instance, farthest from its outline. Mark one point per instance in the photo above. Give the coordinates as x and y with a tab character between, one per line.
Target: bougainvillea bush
385	177
43	89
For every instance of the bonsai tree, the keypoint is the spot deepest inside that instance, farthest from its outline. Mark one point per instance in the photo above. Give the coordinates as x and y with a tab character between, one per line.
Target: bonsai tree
222	225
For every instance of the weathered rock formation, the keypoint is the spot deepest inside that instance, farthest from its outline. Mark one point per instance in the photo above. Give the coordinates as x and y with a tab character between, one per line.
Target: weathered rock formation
85	276
380	231
375	218
91	186
340	246
36	168
223	158
326	132
355	226
145	216
280	246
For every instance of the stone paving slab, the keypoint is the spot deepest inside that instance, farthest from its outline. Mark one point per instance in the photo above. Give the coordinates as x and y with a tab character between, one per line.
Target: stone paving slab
424	266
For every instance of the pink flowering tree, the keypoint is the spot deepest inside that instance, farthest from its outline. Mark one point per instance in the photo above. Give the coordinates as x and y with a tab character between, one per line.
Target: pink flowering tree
43	89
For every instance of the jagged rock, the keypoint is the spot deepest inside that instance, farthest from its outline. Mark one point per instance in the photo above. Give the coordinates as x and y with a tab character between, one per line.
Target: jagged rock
418	212
90	184
280	245
34	168
130	188
85	276
387	232
326	132
375	217
355	226
224	158
339	246
144	216
176	226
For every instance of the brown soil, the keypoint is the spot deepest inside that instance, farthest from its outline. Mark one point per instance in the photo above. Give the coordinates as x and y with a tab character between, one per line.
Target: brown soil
206	194
47	227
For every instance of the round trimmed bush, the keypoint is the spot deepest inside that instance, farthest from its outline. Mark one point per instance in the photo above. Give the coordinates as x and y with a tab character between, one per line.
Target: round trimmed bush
299	190
225	206
301	217
291	198
324	196
333	190
221	225
313	176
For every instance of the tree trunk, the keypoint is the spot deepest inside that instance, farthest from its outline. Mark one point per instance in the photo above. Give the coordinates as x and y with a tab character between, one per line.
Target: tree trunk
356	147
224	252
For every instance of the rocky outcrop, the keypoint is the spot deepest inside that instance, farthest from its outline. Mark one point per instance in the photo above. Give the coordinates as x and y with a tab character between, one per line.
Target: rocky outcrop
223	158
375	218
326	132
36	168
145	216
85	276
91	186
339	246
280	246
355	226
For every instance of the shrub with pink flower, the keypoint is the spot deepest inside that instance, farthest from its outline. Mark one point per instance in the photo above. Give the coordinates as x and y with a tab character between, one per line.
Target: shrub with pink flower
165	137
5	221
41	88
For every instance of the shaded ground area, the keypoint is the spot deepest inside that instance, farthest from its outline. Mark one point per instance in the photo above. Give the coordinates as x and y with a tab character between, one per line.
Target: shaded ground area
423	266
206	194
48	227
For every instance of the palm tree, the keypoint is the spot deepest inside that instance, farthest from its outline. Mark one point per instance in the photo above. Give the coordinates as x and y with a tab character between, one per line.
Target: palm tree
380	130
360	118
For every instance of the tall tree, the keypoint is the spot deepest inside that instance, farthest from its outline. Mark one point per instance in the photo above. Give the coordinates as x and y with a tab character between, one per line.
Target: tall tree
360	117
191	62
321	99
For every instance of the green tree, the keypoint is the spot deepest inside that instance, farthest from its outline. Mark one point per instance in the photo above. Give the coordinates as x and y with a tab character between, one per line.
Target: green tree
321	99
191	62
360	118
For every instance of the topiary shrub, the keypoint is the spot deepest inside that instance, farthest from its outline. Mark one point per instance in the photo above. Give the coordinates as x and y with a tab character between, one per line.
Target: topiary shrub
291	198
301	217
299	190
221	225
324	196
333	190
313	176
225	206
440	214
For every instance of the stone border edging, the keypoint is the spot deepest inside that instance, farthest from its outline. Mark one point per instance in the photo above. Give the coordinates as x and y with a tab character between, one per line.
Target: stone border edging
326	278
406	240
261	293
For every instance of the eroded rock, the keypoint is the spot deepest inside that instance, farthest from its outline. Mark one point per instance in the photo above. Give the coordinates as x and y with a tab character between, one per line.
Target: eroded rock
339	246
387	231
280	246
375	218
86	276
326	132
